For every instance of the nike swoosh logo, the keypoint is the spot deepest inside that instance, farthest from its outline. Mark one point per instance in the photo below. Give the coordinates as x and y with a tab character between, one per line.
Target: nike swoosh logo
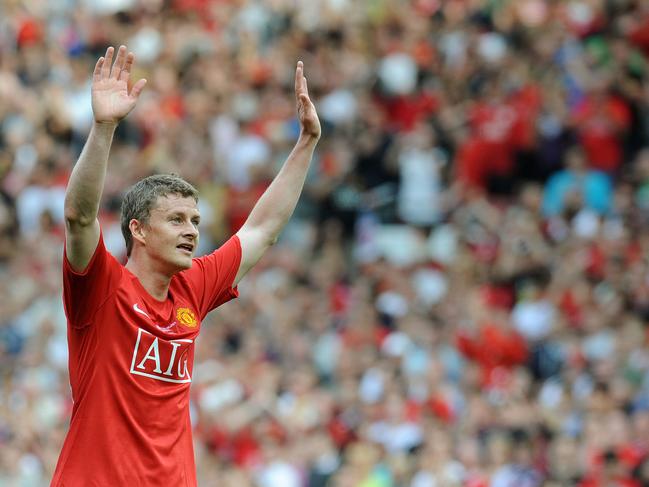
138	310
142	312
168	327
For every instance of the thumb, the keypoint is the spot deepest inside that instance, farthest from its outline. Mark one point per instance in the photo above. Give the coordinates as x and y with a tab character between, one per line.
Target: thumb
137	88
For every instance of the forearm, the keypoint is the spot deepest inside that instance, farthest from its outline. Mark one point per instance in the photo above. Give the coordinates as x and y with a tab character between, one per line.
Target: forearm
276	205
86	184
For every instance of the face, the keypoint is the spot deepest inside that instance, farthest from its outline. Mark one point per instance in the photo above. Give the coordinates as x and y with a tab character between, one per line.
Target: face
170	237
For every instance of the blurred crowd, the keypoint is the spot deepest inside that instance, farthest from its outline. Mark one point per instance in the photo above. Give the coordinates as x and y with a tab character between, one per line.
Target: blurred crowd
462	296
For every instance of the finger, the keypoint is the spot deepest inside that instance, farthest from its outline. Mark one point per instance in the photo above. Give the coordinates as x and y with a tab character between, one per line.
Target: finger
105	71
126	70
119	62
299	76
137	88
96	74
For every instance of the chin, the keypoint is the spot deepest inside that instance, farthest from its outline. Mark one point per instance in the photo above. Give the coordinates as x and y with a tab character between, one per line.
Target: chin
185	264
180	265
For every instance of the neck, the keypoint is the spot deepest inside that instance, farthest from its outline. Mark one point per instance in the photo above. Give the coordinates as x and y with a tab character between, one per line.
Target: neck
154	281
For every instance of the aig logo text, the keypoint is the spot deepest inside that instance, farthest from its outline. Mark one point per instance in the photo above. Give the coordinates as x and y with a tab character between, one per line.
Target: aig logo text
161	359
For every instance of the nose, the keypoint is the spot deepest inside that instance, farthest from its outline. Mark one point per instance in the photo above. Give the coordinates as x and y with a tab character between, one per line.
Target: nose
191	231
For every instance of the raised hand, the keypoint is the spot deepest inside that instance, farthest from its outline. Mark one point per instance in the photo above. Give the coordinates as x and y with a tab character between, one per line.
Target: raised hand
111	98
309	122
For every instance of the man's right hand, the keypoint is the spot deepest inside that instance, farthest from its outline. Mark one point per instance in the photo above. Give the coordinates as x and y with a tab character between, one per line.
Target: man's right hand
111	99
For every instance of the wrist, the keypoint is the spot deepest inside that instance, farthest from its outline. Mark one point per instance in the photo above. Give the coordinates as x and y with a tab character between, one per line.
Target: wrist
104	125
307	139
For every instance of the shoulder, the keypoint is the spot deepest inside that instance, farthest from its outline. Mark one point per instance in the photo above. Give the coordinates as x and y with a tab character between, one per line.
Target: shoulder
100	261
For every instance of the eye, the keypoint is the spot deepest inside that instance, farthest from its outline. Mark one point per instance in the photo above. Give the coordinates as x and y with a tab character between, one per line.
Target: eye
196	222
176	219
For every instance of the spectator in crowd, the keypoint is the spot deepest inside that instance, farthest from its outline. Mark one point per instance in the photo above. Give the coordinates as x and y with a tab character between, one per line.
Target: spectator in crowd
577	187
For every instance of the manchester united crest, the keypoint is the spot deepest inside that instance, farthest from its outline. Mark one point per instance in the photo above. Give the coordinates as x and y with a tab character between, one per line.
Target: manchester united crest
186	317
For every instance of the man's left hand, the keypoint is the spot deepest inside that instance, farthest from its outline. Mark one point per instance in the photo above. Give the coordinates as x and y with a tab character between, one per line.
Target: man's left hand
309	123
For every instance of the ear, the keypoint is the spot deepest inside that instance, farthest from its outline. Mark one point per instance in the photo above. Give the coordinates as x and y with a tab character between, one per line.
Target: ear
138	231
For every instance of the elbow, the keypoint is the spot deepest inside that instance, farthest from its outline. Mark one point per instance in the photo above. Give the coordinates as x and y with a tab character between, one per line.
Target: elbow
79	211
268	239
265	235
76	218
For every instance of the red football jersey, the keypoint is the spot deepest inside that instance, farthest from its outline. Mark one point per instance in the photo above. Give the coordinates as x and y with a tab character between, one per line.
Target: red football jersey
131	365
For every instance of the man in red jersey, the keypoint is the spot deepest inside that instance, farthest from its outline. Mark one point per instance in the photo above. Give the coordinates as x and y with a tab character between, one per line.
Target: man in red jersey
131	329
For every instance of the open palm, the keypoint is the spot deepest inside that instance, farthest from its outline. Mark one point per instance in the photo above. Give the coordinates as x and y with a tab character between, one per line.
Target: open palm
111	98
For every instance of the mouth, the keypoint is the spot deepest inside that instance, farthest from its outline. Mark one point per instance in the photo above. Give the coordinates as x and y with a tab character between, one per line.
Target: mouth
186	248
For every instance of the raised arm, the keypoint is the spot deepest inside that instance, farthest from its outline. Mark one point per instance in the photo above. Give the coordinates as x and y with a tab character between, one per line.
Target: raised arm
111	101
276	205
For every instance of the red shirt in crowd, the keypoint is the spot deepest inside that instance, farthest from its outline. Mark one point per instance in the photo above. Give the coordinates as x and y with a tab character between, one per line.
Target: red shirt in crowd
639	34
615	482
131	365
493	348
601	124
490	149
404	113
526	104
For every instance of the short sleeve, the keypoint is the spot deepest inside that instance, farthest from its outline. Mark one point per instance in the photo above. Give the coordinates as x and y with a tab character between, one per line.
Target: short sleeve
85	292
212	276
